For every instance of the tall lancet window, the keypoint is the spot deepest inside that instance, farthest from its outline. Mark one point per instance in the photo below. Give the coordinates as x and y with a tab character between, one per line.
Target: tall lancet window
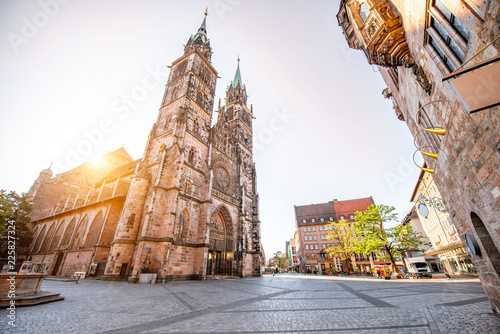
196	125
191	155
200	99
181	224
175	92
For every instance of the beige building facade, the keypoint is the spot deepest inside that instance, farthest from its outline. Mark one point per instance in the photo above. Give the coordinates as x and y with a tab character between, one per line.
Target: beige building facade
437	222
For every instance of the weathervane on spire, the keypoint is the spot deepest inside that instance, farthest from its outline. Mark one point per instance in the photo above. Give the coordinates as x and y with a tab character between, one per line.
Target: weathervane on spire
238	57
206	11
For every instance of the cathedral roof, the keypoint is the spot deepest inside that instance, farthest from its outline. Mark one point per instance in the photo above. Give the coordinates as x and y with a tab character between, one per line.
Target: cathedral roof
121	151
91	172
120	171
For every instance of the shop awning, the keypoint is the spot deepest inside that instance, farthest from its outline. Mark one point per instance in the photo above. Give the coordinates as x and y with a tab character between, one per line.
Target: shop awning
435	251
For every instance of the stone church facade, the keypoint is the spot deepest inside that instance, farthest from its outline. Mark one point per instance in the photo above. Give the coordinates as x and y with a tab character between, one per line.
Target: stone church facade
416	44
187	209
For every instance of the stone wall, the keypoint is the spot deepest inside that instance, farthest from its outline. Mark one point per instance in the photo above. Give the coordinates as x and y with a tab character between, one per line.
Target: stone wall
467	171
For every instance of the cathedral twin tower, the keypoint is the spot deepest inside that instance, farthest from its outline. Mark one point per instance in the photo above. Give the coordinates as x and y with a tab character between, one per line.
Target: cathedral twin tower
191	208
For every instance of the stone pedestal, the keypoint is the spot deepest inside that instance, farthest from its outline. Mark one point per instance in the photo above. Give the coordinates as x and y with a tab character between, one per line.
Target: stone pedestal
24	287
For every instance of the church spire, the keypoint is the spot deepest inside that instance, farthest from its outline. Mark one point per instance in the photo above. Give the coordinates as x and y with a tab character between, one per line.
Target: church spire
200	40
236	89
237	77
202	31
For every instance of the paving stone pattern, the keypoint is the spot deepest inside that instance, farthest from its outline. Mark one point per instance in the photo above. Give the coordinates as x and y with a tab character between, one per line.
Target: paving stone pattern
285	303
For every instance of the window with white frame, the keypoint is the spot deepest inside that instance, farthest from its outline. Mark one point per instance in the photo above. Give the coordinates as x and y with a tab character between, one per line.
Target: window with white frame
315	237
316	246
314	228
321	228
351	216
341	217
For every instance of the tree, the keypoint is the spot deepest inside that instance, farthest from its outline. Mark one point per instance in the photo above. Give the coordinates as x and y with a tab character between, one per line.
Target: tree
344	236
278	260
14	220
373	237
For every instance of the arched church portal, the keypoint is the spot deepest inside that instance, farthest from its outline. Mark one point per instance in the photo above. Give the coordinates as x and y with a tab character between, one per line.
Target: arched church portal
220	259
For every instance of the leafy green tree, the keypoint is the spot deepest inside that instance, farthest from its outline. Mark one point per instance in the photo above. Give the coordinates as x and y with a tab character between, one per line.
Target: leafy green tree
278	260
373	237
343	235
14	210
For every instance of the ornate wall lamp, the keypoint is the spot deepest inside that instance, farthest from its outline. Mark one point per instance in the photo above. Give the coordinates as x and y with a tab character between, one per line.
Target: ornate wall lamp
424	203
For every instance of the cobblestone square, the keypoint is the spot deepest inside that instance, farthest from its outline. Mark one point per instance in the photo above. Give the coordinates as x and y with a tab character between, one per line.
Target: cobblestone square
285	303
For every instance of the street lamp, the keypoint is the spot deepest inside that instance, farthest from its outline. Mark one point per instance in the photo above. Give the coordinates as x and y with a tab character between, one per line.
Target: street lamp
436	202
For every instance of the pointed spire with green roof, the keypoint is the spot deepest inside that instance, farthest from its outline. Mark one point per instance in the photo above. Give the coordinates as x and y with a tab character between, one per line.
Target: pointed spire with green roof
236	89
202	31
200	40
237	77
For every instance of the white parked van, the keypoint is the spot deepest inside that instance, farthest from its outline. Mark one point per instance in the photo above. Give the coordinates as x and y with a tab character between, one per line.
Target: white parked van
417	267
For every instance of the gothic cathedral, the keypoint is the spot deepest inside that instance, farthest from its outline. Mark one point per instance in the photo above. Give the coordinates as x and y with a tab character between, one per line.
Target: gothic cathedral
187	209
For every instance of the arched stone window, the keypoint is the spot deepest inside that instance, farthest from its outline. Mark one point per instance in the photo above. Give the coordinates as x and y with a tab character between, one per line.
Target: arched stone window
175	92
196	125
57	237
181	224
68	233
200	98
188	187
168	121
80	231
39	240
192	154
48	239
94	231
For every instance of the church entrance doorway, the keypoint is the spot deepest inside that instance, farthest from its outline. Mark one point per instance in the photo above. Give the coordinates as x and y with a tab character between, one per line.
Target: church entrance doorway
220	252
58	264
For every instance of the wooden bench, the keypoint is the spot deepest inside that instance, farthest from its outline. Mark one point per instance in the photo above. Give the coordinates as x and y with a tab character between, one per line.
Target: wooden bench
79	274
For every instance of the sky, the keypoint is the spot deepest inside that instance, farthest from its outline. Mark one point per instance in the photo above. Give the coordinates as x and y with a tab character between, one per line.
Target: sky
322	131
